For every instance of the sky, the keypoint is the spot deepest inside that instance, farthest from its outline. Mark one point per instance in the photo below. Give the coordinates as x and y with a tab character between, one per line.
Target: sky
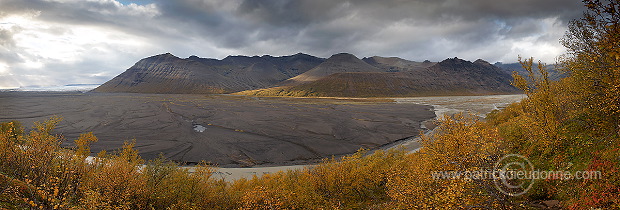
59	42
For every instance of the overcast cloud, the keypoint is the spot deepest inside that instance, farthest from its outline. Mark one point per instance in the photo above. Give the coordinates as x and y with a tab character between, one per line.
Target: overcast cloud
58	42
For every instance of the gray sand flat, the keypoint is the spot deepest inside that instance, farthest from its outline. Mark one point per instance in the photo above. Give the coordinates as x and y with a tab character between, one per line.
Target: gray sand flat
229	131
479	105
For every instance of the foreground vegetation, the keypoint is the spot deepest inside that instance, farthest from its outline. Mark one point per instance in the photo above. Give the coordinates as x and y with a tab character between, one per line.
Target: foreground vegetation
571	125
36	172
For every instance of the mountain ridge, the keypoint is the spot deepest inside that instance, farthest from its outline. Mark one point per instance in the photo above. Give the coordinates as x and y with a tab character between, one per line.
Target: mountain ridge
451	76
337	63
341	75
166	73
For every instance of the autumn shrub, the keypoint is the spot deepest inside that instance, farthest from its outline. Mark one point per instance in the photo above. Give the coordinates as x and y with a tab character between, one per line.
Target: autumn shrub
356	180
352	182
557	131
45	173
461	143
113	181
35	172
171	186
573	124
283	190
593	62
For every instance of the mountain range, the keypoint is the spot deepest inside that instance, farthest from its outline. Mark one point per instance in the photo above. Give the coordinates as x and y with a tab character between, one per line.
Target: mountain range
341	75
554	74
167	73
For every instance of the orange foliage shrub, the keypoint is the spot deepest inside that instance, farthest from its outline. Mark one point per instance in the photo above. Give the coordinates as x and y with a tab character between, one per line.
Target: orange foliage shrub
35	172
459	144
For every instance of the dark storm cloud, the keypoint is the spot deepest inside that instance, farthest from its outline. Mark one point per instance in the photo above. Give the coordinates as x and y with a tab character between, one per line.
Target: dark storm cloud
413	29
287	13
292	13
318	23
511	9
326	26
303	12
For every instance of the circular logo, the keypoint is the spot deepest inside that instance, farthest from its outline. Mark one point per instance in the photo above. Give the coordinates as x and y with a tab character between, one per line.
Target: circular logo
512	175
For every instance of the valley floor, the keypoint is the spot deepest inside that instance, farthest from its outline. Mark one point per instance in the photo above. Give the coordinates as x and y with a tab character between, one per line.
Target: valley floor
227	131
239	131
442	105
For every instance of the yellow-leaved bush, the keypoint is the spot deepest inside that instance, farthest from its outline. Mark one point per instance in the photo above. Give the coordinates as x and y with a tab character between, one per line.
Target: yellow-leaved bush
460	144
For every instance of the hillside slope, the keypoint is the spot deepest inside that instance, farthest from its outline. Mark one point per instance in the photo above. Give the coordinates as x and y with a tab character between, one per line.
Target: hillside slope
167	73
341	75
338	63
449	77
554	73
396	64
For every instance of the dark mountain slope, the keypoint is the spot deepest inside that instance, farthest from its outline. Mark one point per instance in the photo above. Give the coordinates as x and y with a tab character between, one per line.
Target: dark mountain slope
395	64
169	74
449	77
338	63
305	75
554	74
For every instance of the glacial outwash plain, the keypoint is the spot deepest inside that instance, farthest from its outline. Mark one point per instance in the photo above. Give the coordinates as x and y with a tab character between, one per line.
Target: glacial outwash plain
227	131
244	111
